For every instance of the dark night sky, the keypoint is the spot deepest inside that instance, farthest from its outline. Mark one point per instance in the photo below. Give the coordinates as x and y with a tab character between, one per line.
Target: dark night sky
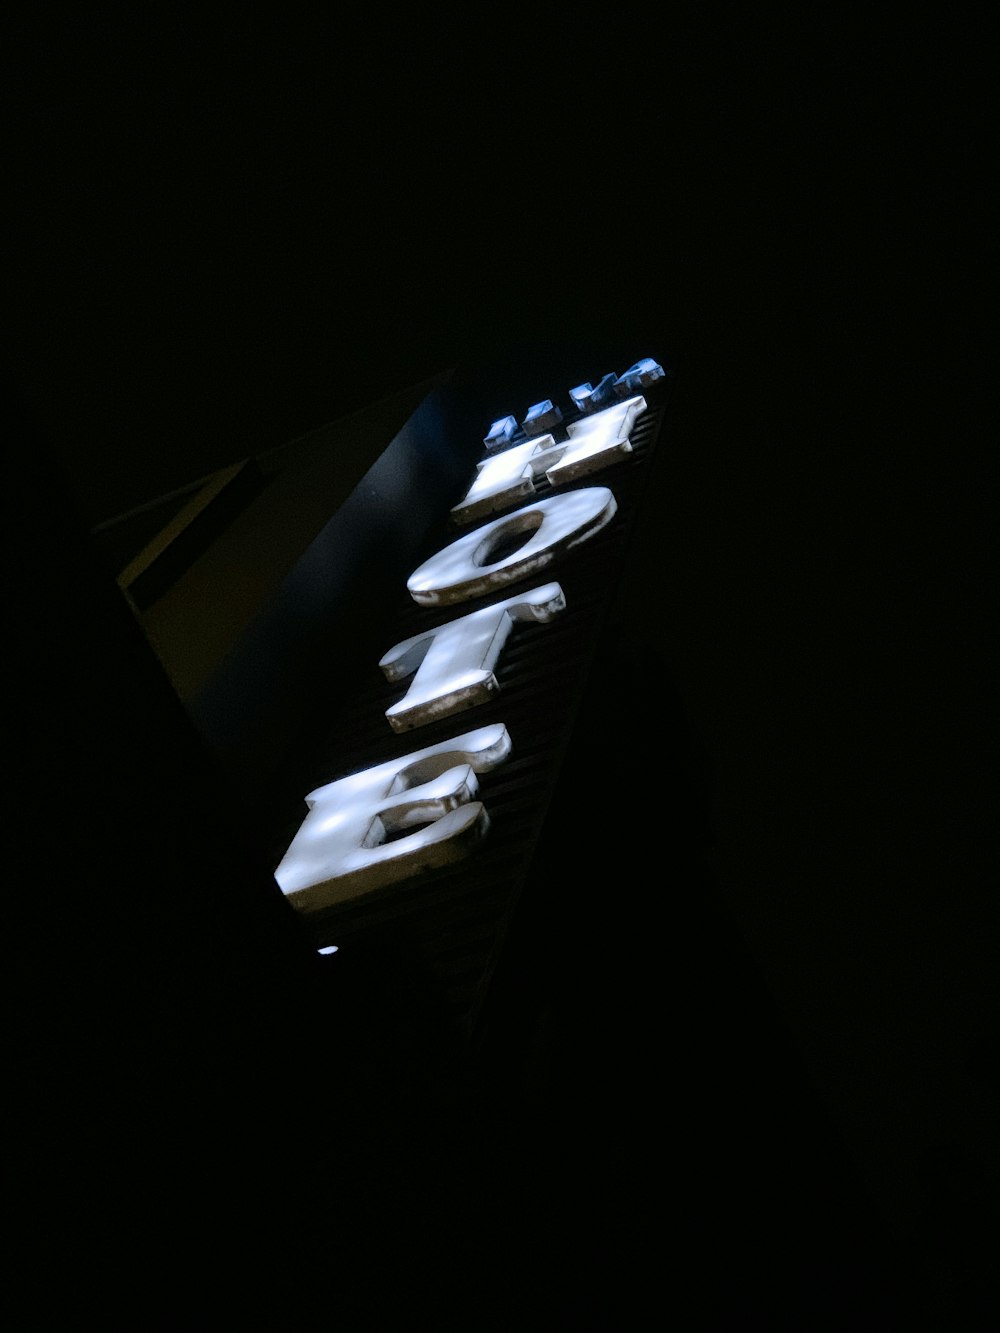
231	240
231	237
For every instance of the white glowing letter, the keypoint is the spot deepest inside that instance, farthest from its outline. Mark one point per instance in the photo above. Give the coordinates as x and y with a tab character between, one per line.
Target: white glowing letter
500	433
544	532
454	663
504	479
638	376
541	417
349	843
595	442
589	399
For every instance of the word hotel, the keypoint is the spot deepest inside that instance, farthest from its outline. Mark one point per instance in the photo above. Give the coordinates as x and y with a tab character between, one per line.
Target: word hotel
396	819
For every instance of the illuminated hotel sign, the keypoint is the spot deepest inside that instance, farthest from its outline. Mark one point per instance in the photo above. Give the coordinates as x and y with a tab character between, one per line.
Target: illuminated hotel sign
420	811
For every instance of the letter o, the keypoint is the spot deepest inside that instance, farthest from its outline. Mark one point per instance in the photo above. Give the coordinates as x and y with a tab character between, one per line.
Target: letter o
465	569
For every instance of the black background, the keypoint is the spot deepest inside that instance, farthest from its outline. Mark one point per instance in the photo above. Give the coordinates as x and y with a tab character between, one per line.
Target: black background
226	238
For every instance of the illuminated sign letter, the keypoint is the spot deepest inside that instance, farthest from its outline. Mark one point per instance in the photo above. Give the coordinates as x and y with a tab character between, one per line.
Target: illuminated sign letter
544	532
354	838
588	399
542	417
504	480
595	442
454	663
638	376
500	433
